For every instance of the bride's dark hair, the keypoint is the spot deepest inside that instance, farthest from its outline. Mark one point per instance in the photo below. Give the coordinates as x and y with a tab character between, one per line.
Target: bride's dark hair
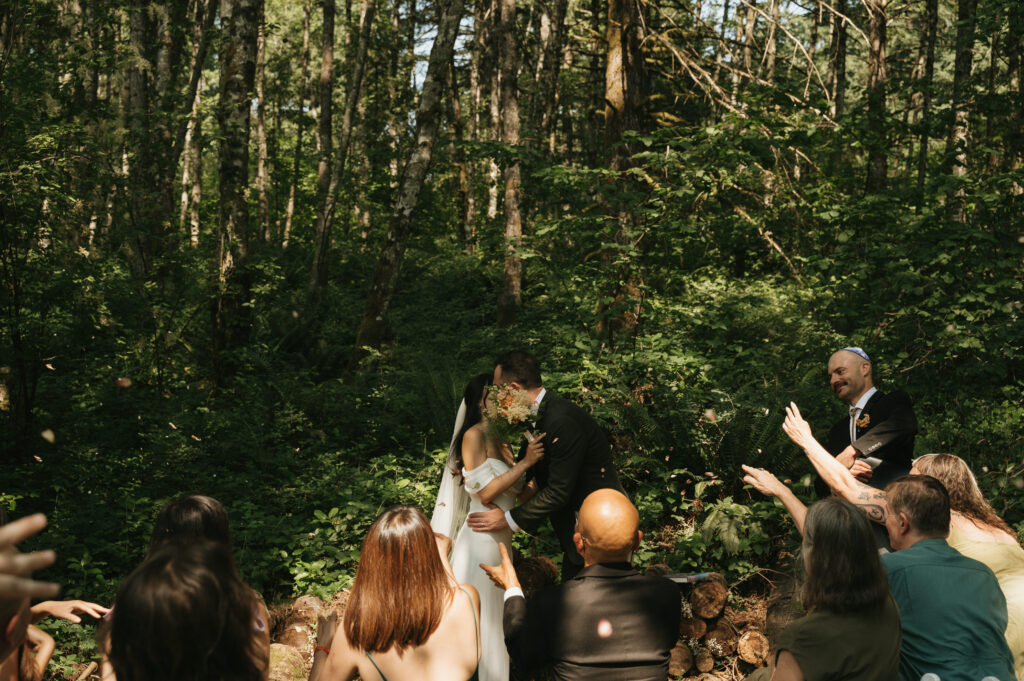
472	394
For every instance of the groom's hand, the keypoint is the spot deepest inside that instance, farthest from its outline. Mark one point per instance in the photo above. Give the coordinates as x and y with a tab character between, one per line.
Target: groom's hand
504	575
487	521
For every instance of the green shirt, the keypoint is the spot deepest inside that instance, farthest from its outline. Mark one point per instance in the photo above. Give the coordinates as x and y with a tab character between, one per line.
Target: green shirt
863	646
952	612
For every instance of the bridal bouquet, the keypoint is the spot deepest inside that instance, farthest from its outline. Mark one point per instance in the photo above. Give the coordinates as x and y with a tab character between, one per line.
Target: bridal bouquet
509	414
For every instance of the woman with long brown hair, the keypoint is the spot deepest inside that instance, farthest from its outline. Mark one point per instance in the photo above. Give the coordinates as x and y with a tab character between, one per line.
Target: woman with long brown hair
407	617
975	530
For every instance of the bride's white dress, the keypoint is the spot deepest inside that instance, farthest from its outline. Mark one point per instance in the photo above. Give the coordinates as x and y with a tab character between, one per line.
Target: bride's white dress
473	548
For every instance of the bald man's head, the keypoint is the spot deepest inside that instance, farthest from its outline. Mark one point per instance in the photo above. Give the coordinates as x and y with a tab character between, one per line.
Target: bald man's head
608	528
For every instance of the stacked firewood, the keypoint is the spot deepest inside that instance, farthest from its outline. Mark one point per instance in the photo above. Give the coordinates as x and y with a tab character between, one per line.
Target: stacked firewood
710	632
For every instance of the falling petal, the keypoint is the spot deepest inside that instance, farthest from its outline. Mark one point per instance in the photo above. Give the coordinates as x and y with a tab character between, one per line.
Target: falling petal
50	367
48	436
171	424
37	458
124	383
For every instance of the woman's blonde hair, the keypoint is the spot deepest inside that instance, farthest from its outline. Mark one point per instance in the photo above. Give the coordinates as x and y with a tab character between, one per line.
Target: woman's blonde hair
964	494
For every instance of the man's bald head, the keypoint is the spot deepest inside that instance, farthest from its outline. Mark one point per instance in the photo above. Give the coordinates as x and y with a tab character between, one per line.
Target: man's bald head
608	528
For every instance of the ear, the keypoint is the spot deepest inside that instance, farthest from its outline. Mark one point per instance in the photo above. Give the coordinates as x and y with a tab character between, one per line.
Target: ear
577	540
516	385
903	522
636	542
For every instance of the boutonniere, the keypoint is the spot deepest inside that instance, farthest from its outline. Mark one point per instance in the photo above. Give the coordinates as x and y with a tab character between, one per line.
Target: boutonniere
864	421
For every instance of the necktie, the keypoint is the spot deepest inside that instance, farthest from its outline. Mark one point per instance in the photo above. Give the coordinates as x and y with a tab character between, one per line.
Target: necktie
853	423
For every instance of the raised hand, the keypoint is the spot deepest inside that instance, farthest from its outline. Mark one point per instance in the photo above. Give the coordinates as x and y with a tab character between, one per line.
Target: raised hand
861	470
798	430
15	567
535	450
763	481
68	610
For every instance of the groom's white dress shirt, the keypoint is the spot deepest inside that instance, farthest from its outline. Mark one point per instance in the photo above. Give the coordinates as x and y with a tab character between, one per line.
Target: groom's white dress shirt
536	407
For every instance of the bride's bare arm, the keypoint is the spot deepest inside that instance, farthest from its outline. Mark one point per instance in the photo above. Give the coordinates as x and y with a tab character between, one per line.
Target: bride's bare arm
474	453
333	658
837	476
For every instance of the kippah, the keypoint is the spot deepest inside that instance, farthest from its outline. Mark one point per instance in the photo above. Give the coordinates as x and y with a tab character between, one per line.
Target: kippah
858	351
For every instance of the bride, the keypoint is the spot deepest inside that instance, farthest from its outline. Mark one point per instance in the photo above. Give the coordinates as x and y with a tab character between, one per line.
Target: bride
481	472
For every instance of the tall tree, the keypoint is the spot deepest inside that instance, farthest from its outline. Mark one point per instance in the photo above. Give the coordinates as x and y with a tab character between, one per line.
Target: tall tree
374	324
511	294
876	132
325	120
931	24
325	217
231	316
262	171
957	140
300	126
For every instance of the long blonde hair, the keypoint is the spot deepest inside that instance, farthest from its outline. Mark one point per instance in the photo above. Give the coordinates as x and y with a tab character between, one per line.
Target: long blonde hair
964	494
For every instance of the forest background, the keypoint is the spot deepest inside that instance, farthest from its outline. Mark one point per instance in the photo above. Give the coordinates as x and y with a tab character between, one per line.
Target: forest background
255	248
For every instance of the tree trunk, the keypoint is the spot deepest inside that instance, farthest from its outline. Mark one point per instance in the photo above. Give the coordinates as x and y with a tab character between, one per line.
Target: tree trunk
956	142
300	125
510	298
770	46
231	315
262	171
837	61
373	326
326	118
477	57
547	81
877	127
931	23
318	275
191	176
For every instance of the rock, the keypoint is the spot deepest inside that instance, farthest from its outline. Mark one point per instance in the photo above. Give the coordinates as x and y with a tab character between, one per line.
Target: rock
680	660
286	664
296	625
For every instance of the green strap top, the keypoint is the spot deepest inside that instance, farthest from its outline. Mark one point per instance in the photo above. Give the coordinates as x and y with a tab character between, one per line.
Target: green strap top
476	630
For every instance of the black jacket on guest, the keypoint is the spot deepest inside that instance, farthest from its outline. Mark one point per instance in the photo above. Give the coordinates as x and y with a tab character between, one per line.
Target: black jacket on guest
608	623
577	461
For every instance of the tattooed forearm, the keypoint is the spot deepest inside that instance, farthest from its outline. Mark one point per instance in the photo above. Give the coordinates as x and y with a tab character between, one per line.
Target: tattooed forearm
875	512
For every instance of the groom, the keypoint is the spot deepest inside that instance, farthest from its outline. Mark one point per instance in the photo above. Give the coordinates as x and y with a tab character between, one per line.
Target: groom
576	462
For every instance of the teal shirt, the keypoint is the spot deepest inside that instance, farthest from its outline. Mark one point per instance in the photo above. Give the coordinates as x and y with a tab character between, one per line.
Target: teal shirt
953	614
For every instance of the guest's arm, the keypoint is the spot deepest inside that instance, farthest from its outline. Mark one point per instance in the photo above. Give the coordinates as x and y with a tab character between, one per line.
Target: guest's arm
66	610
525	636
786	668
333	658
766	483
839	479
474	453
16	568
43	646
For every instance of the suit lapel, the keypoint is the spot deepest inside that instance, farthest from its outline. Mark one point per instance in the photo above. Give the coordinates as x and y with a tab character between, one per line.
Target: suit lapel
866	411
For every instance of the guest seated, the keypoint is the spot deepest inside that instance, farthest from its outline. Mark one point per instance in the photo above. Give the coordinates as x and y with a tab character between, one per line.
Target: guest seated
407	617
14	620
608	622
185	614
852	630
15	567
32	658
974	528
952	612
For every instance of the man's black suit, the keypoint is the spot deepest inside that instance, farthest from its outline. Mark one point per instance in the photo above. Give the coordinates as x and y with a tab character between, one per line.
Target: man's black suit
577	461
561	626
888	435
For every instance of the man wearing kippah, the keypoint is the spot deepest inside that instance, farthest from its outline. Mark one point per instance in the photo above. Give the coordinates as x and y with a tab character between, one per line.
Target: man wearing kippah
875	440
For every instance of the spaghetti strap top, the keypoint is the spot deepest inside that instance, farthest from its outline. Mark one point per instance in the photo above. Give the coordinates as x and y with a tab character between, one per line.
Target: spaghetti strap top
476	630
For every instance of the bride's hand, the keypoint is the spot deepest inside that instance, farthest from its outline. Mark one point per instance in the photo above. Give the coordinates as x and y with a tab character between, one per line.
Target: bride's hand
535	450
798	430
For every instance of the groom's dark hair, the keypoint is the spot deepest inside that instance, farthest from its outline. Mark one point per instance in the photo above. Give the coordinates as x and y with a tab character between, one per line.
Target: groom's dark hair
521	367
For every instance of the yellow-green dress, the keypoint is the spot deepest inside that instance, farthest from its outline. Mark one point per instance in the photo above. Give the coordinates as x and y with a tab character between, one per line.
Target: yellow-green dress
1007	562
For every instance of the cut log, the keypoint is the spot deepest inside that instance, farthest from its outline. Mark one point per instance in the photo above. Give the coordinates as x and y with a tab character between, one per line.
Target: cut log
753	647
680	660
692	628
296	626
286	664
703	660
721	640
708	597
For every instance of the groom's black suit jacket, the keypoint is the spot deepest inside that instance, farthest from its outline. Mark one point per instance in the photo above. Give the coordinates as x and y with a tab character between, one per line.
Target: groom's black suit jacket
889	436
577	461
560	626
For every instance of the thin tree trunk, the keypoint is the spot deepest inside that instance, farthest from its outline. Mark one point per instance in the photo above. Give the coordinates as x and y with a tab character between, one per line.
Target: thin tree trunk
957	141
231	315
191	175
547	91
877	80
318	275
373	326
837	60
477	56
510	298
326	118
990	119
458	155
494	101
300	125
262	170
770	46
931	23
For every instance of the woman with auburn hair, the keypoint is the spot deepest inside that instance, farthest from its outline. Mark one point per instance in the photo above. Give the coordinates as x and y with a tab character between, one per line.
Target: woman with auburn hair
852	629
185	615
974	528
407	617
